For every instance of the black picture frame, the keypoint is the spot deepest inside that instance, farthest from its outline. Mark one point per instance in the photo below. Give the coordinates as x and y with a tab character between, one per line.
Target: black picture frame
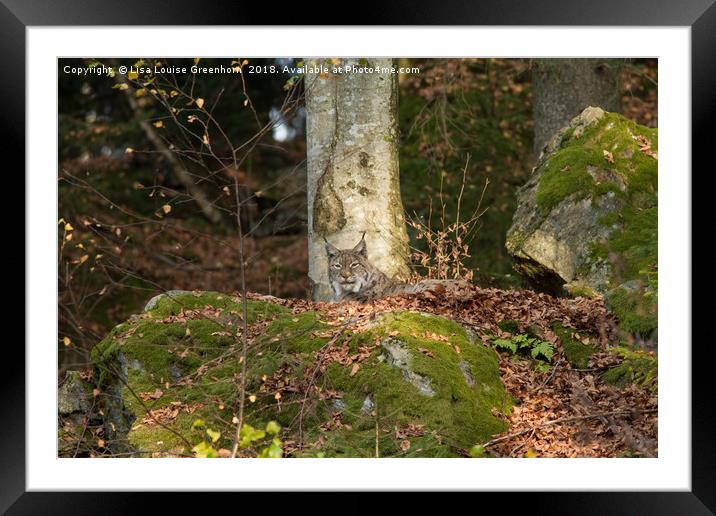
700	15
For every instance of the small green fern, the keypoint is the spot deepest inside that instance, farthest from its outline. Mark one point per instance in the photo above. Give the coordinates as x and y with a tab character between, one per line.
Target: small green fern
523	345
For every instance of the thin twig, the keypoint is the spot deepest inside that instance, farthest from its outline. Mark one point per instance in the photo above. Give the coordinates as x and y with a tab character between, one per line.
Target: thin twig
567	420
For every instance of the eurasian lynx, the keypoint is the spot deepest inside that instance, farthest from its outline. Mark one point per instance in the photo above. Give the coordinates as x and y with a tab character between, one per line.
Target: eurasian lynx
353	278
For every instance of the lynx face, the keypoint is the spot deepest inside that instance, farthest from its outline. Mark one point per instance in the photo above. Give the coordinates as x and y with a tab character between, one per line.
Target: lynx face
348	269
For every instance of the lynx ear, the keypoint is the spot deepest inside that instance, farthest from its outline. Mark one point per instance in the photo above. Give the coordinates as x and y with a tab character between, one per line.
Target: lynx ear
361	247
331	250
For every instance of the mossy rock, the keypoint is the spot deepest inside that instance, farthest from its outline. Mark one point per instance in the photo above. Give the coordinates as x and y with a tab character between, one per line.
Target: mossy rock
638	367
587	219
413	378
422	387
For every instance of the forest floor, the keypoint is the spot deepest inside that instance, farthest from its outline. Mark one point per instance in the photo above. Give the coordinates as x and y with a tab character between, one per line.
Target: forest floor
562	412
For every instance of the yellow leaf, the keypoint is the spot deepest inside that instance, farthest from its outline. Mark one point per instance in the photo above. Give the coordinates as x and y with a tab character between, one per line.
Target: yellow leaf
166	208
158	124
252	398
124	86
68	227
355	368
132	75
84	258
205	139
277	396
66	341
129	150
200	102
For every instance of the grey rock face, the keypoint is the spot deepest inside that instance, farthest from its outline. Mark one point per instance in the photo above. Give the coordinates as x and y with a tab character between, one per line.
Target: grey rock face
552	249
398	356
171	293
367	406
467	373
74	396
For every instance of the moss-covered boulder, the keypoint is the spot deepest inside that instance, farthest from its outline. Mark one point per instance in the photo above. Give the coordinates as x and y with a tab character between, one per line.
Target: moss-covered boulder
406	385
586	220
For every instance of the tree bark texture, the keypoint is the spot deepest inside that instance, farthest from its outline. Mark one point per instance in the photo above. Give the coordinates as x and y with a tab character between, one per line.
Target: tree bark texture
353	176
564	87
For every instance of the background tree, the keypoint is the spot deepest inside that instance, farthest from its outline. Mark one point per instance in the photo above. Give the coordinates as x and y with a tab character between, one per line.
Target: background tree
564	87
353	175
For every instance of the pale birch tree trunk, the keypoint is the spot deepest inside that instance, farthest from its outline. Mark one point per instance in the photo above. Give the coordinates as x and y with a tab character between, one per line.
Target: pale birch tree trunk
353	175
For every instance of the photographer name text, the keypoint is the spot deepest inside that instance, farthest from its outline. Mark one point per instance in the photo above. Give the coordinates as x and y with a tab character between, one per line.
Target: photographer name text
318	69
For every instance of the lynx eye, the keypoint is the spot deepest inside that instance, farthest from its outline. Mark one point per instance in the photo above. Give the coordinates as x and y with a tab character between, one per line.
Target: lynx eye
354	264
336	265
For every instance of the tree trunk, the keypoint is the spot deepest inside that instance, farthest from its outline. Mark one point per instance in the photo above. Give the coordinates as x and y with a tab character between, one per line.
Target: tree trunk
353	176
564	87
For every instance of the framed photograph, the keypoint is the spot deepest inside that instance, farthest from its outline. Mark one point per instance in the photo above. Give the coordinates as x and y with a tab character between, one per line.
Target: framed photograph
406	254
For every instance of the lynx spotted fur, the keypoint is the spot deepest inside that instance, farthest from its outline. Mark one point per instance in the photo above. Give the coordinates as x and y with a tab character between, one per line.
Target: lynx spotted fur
353	278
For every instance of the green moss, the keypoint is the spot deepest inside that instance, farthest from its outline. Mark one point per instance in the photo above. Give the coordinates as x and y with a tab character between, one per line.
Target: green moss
197	372
509	325
566	172
191	362
173	305
638	367
298	333
580	290
636	310
458	413
636	242
575	351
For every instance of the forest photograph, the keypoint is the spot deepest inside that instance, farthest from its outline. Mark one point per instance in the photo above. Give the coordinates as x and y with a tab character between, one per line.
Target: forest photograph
300	257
